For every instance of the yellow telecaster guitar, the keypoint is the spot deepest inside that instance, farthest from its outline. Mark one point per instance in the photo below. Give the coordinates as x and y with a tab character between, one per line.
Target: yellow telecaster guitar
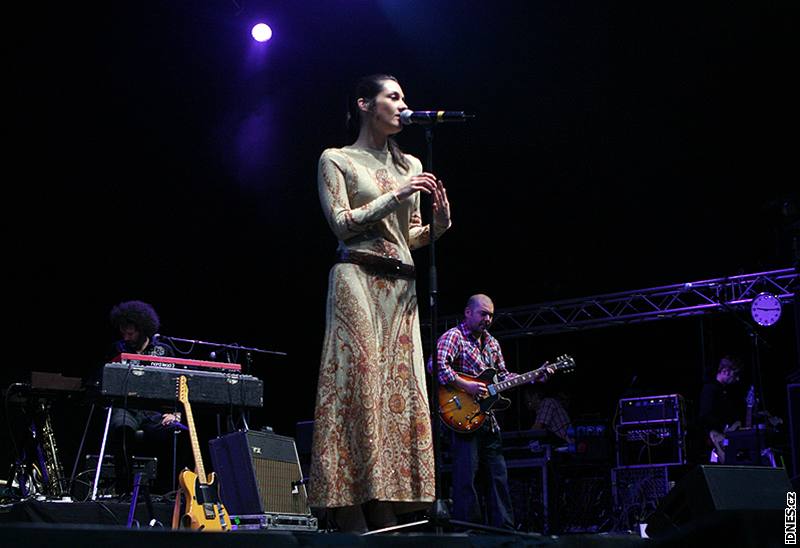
197	504
465	413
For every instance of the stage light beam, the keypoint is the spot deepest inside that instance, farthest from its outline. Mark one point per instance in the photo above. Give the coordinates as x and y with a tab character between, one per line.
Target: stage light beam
261	32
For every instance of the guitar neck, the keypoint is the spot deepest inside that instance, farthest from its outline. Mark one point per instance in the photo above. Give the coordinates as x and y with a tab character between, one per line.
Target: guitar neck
198	458
516	381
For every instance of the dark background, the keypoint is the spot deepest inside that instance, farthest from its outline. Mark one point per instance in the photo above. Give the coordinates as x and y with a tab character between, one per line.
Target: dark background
158	153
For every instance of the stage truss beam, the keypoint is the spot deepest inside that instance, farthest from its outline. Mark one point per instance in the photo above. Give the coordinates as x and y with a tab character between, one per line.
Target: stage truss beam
641	305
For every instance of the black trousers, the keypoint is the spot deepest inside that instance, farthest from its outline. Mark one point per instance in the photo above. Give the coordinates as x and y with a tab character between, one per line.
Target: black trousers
479	456
138	432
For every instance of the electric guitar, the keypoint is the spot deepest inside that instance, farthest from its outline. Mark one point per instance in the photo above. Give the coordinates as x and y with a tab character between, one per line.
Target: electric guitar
720	440
465	413
198	496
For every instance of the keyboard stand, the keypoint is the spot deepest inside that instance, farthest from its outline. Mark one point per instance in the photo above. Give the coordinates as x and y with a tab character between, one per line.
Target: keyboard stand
80	448
102	454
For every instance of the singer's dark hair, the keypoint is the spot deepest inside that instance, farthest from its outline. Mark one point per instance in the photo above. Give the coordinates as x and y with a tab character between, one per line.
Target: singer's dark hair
137	313
368	87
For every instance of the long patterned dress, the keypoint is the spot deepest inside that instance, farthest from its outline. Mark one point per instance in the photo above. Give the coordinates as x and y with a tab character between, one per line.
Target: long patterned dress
372	432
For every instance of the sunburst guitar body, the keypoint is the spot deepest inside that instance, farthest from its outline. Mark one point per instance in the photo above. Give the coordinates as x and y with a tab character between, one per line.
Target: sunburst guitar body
465	413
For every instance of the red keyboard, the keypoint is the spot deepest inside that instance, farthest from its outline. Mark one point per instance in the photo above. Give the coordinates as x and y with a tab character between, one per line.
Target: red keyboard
180	363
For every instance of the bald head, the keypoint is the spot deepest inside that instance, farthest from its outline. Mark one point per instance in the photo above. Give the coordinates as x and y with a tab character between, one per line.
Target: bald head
479	299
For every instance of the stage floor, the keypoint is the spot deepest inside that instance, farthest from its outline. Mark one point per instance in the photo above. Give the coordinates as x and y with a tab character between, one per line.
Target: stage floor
48	524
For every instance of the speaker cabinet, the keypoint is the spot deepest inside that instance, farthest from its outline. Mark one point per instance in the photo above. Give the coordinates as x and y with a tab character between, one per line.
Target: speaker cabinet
709	488
259	472
793	407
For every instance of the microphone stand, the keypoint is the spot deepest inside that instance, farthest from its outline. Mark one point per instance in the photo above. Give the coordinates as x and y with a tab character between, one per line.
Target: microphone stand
248	364
221	345
438	515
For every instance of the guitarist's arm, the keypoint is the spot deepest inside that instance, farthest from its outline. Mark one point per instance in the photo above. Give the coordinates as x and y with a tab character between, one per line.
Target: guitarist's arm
448	347
470	387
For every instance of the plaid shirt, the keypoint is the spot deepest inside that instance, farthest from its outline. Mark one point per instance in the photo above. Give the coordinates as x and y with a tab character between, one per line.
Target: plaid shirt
459	351
552	415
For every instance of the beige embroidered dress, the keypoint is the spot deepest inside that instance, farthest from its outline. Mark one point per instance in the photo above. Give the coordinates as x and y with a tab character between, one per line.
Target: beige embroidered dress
372	432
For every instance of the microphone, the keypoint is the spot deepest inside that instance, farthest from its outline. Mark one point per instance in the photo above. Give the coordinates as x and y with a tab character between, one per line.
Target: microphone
427	117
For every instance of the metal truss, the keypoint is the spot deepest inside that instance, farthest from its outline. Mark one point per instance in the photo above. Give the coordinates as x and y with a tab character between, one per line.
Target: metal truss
656	303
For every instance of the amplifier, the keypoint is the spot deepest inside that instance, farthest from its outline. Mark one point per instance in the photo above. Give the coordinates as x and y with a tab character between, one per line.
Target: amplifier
636	492
650	444
644	434
259	473
593	441
651	409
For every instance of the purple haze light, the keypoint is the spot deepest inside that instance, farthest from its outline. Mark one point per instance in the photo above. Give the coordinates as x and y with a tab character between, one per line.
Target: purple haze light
261	32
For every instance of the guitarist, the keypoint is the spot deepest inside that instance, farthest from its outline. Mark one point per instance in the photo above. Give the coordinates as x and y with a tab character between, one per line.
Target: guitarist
720	402
469	348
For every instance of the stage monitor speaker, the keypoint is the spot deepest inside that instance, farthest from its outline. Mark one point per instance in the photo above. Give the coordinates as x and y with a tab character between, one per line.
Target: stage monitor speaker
709	488
793	408
259	472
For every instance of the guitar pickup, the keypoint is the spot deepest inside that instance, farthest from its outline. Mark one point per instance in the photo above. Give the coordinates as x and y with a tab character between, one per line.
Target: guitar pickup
456	400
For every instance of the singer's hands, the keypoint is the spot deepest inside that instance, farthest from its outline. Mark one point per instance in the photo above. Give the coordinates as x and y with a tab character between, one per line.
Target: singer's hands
425	182
429	184
441	205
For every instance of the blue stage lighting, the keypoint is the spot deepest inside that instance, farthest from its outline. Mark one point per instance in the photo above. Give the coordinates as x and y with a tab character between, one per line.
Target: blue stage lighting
261	32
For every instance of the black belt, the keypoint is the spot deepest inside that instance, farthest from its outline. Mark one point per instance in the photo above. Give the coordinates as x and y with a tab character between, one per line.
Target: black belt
379	264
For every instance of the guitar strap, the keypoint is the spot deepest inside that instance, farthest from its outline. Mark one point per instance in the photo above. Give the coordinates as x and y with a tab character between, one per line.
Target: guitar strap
486	357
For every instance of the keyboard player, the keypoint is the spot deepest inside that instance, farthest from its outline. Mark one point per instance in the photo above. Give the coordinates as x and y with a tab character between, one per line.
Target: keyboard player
139	431
550	414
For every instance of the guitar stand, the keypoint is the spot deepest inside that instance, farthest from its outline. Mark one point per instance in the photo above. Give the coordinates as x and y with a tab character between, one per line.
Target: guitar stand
177	430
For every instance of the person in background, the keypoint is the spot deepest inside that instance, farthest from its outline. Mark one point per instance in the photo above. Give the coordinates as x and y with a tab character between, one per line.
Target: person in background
721	405
132	429
550	413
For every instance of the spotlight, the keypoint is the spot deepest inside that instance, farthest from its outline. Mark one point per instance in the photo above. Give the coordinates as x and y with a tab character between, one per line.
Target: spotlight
261	32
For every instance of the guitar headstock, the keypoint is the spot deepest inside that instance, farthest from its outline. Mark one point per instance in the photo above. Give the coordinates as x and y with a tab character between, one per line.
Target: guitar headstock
563	363
183	390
